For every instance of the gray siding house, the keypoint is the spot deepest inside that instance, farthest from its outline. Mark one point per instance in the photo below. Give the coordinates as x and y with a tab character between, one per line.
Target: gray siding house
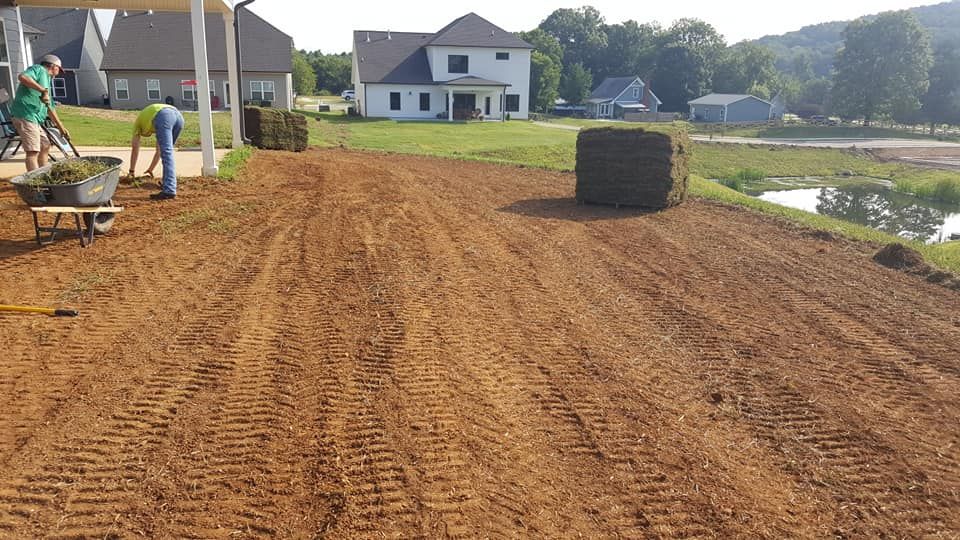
75	36
729	108
14	58
149	59
619	95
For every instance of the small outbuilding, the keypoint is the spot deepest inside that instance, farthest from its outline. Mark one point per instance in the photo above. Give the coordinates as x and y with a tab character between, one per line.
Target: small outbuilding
730	108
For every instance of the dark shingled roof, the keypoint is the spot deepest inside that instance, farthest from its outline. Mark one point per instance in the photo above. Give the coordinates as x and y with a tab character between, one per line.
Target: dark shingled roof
611	87
399	60
62	32
472	30
164	42
402	59
723	99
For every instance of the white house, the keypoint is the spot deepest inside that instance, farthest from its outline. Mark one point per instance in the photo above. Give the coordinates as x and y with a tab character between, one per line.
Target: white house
469	69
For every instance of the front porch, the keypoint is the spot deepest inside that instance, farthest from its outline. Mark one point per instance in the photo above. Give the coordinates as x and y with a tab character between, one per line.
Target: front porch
472	98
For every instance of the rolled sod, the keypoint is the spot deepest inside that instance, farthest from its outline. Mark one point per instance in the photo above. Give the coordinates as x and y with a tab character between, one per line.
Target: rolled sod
631	166
276	129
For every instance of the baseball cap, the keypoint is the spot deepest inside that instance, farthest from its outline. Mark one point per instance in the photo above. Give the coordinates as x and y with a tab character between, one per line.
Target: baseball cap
52	60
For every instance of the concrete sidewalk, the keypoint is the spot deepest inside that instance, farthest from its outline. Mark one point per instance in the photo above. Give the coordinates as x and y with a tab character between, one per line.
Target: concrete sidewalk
189	161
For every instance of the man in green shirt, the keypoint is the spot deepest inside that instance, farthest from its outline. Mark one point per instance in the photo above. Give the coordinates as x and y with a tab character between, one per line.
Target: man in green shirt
166	123
32	105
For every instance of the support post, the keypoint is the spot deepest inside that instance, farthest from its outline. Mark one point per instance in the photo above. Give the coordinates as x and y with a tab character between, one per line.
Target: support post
197	19
236	103
450	105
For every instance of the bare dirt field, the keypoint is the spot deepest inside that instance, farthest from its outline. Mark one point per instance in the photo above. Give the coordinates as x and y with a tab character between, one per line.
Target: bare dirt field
355	345
937	158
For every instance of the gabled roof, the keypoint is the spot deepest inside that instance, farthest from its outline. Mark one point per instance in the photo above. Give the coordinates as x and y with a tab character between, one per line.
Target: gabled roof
401	59
62	33
610	88
723	99
27	29
163	41
472	30
470	80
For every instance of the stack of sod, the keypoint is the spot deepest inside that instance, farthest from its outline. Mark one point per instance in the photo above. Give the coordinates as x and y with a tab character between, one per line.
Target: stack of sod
276	129
630	166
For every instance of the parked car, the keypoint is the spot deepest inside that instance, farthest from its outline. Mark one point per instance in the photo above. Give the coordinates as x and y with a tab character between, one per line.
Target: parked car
821	120
348	95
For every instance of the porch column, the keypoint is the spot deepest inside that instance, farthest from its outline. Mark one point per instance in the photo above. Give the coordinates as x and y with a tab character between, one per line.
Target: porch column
197	18
450	105
503	105
236	104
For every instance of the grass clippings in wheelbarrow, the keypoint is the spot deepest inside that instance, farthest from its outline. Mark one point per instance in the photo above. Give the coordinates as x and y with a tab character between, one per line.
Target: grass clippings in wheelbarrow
69	172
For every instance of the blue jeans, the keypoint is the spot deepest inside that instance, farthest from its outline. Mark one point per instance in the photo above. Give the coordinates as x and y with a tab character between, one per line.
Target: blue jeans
168	124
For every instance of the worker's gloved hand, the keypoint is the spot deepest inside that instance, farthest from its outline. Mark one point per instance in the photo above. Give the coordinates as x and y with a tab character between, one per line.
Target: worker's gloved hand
45	97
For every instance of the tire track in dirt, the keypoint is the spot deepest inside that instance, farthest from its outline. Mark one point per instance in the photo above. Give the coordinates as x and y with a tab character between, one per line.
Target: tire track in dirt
77	478
785	416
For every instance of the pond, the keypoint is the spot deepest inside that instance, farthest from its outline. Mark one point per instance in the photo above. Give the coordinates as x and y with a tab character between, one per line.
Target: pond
865	202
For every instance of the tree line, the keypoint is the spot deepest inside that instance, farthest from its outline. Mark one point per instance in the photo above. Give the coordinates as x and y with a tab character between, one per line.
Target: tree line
886	69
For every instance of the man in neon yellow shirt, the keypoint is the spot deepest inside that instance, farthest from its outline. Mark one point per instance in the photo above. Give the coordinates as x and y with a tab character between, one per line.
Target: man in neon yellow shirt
32	105
166	122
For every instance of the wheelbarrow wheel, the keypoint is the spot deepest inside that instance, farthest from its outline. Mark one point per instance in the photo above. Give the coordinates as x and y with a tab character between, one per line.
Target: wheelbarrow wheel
102	223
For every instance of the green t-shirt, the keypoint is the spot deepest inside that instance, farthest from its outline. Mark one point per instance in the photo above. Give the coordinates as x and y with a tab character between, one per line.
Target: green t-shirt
143	125
27	104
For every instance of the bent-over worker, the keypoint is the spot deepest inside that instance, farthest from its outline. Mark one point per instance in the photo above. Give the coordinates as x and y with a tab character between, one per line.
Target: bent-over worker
31	107
166	122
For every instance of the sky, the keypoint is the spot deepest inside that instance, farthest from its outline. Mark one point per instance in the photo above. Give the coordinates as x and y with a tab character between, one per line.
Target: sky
323	26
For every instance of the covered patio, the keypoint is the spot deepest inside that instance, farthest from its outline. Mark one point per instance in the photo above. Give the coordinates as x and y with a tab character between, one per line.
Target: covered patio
198	9
467	95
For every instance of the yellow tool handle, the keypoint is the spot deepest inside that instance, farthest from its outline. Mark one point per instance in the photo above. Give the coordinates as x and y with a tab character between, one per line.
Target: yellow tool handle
44	311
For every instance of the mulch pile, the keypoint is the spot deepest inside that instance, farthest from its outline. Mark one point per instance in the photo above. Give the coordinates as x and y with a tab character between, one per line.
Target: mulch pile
276	129
900	257
632	167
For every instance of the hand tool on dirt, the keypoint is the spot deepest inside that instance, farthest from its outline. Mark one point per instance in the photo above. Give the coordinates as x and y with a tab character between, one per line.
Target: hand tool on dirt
53	312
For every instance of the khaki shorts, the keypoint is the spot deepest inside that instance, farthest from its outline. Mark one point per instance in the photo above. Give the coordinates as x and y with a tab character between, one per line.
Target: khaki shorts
34	139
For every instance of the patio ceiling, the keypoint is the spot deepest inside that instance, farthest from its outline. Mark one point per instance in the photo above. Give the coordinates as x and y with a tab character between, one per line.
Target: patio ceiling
219	6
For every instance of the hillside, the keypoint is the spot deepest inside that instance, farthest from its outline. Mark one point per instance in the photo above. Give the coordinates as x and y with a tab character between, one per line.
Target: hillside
822	41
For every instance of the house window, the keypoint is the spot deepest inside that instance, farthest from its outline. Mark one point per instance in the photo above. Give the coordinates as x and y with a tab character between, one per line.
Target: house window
503	56
458	63
513	102
262	91
424	101
394	101
59	87
187	91
636	91
4	56
153	89
121	89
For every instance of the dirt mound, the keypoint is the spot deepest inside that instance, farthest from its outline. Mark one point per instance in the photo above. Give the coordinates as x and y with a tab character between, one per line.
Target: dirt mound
900	257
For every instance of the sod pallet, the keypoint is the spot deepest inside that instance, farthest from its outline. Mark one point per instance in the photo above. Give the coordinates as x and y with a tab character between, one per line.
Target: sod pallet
276	129
632	167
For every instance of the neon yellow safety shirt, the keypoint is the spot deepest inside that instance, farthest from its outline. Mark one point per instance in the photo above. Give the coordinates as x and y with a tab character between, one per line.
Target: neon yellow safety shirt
143	125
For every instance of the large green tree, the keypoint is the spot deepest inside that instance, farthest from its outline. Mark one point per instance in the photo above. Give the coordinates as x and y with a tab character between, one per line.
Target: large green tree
941	103
576	83
333	71
544	81
631	50
746	68
546	64
883	68
304	78
580	32
686	62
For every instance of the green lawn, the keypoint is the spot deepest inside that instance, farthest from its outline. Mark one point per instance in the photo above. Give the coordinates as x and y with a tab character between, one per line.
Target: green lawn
818	132
104	127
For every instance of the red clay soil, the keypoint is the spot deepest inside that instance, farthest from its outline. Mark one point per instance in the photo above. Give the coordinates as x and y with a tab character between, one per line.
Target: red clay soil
353	345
